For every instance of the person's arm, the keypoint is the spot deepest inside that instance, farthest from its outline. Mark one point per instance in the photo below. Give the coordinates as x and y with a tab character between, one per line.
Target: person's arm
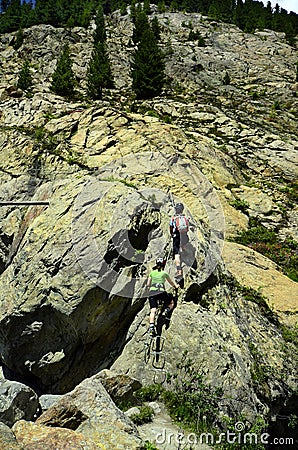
172	283
171	226
149	282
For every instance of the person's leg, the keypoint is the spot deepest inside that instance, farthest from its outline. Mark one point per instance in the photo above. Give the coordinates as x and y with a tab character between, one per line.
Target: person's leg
153	307
184	240
169	306
168	302
176	251
152	317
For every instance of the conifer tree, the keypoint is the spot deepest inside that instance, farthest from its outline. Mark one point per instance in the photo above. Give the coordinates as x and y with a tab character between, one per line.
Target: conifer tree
148	75
155	28
63	79
226	79
99	34
19	38
141	24
3	5
161	7
174	6
146	6
123	8
99	74
25	78
133	10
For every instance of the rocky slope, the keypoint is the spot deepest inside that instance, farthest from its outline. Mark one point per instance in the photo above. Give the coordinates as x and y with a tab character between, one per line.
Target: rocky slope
73	272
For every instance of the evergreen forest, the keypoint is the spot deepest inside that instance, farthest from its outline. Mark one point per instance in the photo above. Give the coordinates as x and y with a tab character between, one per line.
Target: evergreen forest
248	16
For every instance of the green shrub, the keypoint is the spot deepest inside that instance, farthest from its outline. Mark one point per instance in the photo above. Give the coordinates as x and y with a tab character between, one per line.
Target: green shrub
290	334
291	192
191	398
196	36
144	416
256	429
149	393
148	446
284	253
241	205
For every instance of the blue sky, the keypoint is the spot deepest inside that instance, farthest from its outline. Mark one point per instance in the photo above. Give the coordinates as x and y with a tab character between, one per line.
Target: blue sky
289	5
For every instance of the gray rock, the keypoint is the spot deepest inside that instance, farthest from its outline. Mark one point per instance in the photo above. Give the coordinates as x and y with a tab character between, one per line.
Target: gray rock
89	410
120	387
17	402
48	400
132	411
7	438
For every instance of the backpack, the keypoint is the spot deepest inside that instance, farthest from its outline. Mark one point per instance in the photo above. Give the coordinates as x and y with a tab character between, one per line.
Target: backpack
181	223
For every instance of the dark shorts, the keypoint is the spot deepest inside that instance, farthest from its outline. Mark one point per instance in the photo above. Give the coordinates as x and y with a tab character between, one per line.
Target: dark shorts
161	298
179	240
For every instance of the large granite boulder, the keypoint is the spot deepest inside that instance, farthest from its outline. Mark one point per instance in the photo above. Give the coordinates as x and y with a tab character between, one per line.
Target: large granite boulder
17	401
84	418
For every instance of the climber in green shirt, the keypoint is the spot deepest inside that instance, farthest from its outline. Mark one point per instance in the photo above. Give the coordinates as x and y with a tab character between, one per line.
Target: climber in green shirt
157	293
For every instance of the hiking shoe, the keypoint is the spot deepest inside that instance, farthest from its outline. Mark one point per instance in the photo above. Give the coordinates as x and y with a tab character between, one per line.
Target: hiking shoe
167	313
152	332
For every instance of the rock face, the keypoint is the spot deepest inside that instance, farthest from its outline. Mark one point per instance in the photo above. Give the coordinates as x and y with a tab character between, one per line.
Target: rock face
72	297
88	253
85	414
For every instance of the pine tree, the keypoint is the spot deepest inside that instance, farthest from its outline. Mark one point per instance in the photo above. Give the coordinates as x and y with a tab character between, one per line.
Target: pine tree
19	38
3	5
146	6
99	74
155	28
161	7
123	8
63	79
141	24
99	34
25	79
148	66
226	79
133	10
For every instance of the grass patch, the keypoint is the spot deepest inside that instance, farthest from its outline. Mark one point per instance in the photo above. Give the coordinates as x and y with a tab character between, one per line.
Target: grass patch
241	205
290	334
144	416
258	370
121	180
291	192
191	401
148	446
149	393
254	431
284	253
